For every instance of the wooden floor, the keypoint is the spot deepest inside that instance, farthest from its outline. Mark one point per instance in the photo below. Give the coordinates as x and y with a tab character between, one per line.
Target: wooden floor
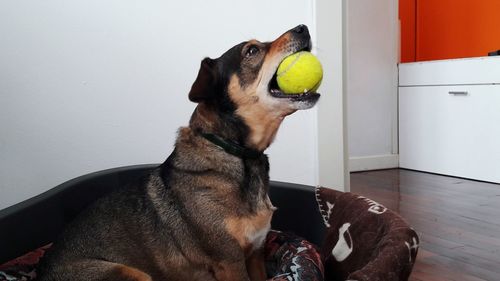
458	221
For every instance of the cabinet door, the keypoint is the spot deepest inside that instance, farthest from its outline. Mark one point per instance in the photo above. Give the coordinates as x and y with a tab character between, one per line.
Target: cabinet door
448	29
452	130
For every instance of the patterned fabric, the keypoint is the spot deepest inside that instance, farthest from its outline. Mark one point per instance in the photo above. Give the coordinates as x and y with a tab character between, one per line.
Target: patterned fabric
22	268
365	241
291	258
288	258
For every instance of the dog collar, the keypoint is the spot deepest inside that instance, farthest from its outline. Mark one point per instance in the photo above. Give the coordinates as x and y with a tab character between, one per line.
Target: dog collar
232	147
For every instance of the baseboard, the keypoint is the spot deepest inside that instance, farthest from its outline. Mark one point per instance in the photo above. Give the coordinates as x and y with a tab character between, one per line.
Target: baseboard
375	162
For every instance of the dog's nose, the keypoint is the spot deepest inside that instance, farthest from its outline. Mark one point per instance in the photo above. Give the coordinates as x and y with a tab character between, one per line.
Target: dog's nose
300	28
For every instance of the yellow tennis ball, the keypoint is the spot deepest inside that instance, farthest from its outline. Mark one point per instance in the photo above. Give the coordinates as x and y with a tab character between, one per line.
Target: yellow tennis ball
299	73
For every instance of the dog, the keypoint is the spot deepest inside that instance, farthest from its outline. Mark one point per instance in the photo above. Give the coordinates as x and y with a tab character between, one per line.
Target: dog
204	213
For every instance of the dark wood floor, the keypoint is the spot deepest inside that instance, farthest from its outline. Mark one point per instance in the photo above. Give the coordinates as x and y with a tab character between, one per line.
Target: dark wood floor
458	221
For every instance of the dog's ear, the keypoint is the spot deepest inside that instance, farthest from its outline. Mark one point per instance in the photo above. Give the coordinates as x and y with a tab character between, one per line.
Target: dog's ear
204	87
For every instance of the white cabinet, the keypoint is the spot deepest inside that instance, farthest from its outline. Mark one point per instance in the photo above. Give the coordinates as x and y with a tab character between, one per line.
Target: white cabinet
450	128
484	70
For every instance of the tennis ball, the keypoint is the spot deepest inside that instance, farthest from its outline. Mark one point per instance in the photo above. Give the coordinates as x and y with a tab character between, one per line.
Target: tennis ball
299	73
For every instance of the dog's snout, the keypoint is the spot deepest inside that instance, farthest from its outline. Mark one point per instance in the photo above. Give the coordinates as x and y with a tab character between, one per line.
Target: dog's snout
300	29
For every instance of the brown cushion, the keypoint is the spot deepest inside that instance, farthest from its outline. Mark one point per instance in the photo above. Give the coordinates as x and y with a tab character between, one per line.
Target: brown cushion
364	240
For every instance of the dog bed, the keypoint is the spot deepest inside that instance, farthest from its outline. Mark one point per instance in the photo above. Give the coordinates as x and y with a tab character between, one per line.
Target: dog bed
288	257
365	241
358	239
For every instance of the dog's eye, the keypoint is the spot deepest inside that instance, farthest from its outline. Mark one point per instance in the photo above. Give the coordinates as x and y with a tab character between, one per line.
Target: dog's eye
252	51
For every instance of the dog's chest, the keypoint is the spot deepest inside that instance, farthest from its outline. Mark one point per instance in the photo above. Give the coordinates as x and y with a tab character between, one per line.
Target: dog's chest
250	231
256	237
258	227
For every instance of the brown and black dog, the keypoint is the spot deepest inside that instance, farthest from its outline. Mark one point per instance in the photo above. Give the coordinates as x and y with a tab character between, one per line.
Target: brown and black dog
205	212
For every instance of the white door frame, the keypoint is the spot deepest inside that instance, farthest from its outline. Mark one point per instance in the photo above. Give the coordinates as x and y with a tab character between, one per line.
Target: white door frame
333	153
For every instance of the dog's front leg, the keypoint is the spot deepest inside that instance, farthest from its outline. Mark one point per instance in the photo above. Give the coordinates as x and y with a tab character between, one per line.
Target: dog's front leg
256	266
231	271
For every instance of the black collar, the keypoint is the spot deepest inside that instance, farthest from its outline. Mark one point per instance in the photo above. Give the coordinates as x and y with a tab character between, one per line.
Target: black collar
232	147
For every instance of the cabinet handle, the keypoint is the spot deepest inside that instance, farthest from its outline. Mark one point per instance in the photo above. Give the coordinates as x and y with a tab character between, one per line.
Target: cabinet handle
458	93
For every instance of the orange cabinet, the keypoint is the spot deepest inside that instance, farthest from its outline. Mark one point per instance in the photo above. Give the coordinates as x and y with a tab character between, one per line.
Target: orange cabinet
445	29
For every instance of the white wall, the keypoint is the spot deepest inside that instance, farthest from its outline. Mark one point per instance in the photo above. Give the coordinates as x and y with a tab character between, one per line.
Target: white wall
372	56
89	85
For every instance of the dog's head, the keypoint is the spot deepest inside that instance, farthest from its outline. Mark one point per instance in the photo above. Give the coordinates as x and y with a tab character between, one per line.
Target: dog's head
242	84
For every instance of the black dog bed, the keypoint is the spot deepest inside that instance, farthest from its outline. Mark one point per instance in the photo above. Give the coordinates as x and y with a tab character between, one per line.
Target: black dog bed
36	222
358	239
